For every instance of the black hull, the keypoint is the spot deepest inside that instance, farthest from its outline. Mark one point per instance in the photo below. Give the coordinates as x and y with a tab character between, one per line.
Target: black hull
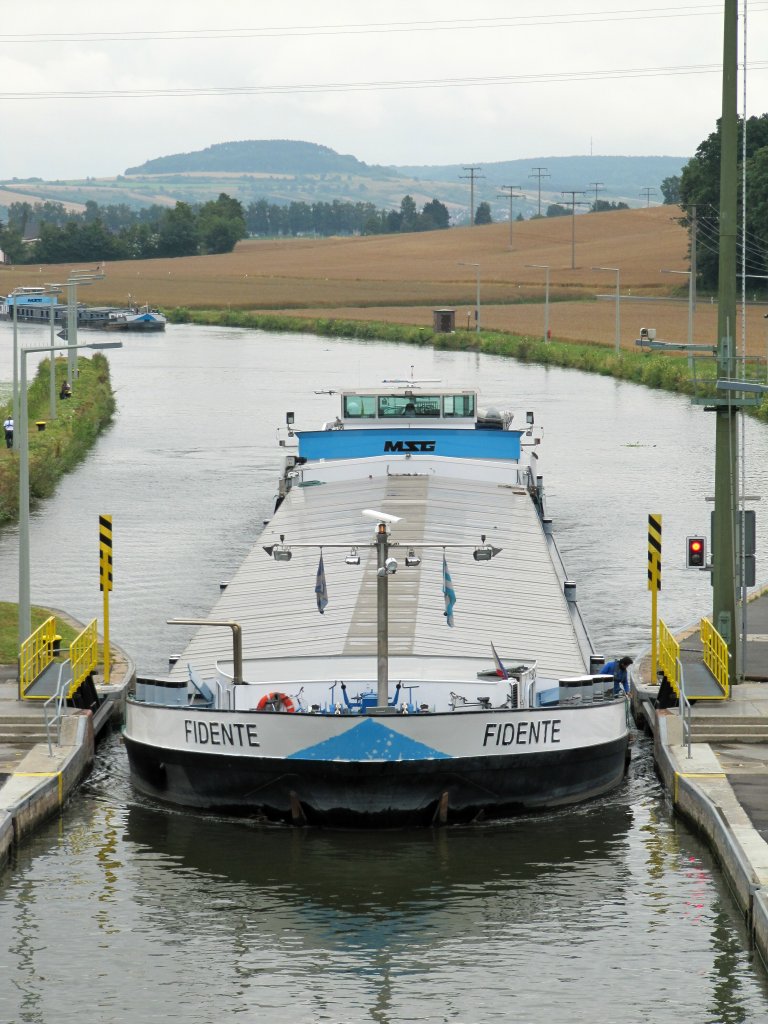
379	794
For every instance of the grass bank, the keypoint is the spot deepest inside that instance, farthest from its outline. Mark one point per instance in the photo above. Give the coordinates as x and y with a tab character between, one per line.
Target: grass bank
9	630
654	369
66	440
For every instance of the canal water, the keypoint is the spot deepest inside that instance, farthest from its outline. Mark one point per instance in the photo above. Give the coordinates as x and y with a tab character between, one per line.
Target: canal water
122	910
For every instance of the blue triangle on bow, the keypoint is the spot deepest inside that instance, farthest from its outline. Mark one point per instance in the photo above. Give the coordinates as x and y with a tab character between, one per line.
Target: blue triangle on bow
369	741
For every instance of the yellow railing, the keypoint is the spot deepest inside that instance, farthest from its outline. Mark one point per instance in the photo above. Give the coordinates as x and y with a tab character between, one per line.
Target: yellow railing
669	653
36	654
84	655
715	654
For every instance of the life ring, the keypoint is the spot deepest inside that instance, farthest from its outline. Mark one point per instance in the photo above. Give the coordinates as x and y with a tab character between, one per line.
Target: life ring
276	702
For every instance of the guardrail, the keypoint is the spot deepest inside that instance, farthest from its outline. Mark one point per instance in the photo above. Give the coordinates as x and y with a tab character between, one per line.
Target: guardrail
36	654
56	703
715	655
669	656
84	655
685	710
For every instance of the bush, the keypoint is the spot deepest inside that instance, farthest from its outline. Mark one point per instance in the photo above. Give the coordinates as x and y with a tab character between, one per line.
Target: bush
67	439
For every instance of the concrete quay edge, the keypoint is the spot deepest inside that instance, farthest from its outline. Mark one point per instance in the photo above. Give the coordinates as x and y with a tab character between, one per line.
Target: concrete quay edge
42	782
703	796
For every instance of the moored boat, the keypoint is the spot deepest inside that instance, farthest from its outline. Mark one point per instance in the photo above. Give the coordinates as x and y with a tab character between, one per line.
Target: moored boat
143	319
403	646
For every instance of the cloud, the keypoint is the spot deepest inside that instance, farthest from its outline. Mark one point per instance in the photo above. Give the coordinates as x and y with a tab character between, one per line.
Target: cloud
411	83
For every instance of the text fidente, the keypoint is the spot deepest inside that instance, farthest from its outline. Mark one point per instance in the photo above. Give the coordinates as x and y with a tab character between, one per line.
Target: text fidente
221	734
507	734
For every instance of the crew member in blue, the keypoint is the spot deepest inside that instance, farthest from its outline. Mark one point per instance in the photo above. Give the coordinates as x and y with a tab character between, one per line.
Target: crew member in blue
8	430
618	669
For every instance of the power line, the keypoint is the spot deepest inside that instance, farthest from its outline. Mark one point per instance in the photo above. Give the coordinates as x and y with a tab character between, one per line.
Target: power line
573	193
509	190
472	175
377	28
538	172
330	87
647	193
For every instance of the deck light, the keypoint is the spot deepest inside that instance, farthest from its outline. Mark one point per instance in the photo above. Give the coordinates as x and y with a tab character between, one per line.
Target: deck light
412	559
280	552
485	552
353	558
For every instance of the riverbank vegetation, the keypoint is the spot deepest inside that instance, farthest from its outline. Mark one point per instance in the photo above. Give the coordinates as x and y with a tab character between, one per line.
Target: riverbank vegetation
65	440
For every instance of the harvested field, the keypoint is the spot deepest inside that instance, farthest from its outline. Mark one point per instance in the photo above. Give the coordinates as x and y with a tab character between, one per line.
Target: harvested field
402	278
593	322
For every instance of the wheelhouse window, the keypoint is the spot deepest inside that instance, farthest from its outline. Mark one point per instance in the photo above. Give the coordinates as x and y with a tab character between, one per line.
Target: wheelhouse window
405	407
458	405
360	407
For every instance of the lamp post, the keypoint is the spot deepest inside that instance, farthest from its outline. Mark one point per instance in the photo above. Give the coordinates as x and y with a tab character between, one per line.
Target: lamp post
617	272
76	277
690	299
54	289
25	610
48	290
543	266
477	292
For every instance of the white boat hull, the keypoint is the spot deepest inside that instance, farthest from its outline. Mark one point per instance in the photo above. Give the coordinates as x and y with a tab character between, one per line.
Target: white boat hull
377	771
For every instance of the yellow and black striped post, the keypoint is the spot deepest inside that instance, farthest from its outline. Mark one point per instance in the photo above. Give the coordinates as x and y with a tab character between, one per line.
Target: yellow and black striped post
654	585
105	581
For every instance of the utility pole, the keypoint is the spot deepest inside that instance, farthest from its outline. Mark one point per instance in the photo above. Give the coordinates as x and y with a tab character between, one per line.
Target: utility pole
726	424
694	229
647	193
573	193
510	191
472	175
598	186
539	172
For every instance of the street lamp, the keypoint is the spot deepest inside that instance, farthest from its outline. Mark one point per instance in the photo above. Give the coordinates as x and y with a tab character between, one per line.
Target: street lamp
477	292
617	272
543	266
25	611
75	278
22	290
690	298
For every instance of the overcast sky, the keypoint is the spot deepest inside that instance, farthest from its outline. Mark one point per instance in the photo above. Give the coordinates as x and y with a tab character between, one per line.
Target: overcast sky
406	82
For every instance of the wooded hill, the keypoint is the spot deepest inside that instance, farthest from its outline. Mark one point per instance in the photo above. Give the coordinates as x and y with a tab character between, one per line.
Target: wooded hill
284	171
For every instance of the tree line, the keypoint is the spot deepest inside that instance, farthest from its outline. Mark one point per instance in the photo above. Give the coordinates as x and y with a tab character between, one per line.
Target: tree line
49	233
119	232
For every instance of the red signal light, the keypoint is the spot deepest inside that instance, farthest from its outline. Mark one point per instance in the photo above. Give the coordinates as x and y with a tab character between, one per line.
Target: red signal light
696	552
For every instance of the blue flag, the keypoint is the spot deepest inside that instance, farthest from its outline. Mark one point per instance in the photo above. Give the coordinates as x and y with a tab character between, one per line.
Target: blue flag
450	594
321	590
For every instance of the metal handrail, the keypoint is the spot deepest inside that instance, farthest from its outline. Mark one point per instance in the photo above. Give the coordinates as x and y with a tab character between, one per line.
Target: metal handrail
36	654
685	708
669	656
84	654
60	696
715	654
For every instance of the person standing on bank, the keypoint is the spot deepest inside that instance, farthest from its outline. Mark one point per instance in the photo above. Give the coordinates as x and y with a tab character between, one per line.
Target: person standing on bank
618	669
8	428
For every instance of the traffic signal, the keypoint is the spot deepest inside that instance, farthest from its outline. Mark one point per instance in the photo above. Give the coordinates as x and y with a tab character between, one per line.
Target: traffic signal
695	552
